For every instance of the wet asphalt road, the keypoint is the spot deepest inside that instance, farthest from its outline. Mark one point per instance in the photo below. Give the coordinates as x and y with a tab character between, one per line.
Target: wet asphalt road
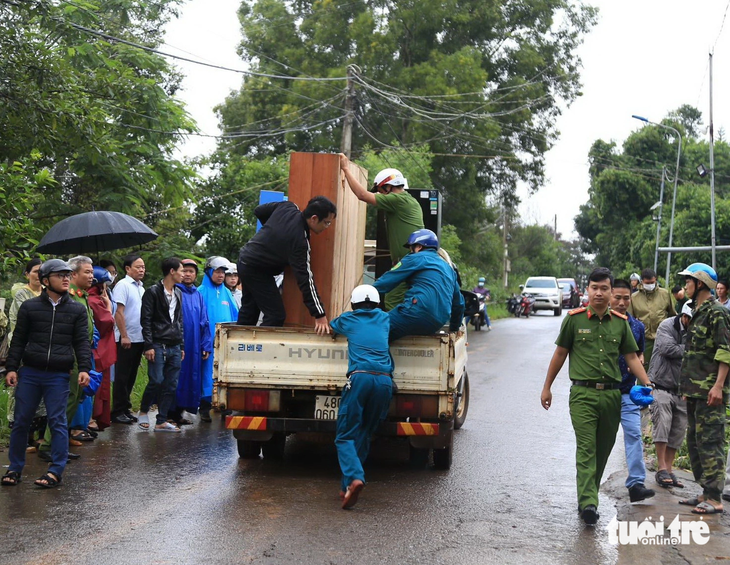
141	497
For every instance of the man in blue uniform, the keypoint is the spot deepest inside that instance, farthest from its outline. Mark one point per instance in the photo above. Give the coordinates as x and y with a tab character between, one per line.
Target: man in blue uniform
433	297
366	396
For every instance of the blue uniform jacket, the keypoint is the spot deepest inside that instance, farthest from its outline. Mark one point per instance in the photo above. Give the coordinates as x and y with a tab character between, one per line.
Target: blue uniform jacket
197	339
367	340
433	291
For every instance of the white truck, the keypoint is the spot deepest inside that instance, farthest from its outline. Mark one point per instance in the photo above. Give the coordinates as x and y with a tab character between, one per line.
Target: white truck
281	381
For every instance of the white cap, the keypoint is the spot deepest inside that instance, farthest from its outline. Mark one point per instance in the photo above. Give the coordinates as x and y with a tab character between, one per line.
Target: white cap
687	309
231	269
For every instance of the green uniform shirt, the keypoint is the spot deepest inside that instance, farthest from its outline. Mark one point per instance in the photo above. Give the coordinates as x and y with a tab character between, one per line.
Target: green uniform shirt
403	216
708	344
651	309
82	297
595	344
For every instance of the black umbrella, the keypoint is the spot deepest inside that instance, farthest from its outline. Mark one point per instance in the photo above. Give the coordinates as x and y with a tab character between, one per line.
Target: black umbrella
94	232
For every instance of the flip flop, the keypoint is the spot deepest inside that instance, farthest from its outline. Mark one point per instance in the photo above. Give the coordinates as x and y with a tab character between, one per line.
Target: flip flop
706	508
167	427
143	421
691	501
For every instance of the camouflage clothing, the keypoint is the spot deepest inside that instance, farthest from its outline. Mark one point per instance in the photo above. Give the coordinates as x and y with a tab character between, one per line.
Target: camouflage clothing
708	344
706	446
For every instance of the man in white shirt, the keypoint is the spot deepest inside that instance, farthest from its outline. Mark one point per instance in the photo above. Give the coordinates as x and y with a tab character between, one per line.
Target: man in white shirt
130	343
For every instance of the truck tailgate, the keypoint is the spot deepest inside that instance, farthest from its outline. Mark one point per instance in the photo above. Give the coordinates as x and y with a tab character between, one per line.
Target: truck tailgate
300	359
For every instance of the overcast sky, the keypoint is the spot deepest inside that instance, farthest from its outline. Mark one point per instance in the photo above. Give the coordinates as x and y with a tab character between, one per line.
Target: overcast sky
644	57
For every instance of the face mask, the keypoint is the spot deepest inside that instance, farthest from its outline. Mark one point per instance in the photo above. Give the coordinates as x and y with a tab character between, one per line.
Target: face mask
114	277
649	287
481	284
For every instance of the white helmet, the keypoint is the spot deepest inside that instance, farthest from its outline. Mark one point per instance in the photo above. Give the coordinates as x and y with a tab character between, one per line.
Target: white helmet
365	293
392	177
687	309
231	269
216	262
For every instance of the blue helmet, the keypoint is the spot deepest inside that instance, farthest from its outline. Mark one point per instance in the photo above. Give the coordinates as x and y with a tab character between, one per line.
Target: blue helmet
423	237
702	272
101	275
482	279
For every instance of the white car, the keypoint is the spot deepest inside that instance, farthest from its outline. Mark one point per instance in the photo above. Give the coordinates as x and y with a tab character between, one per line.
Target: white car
547	294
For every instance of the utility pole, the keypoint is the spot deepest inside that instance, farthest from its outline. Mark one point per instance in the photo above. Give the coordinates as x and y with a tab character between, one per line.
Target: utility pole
659	221
712	174
505	263
346	145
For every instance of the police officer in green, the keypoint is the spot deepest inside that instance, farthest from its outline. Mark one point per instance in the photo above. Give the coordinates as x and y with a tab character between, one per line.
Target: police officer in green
594	337
403	215
704	383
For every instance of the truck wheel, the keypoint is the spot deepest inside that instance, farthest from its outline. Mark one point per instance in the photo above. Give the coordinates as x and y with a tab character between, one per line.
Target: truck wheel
477	323
249	449
442	458
462	406
418	457
274	448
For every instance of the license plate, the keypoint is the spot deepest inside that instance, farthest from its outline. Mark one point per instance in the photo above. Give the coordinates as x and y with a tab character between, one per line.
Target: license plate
326	407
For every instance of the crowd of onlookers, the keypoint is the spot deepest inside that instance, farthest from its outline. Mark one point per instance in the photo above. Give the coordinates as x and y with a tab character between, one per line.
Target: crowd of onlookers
88	334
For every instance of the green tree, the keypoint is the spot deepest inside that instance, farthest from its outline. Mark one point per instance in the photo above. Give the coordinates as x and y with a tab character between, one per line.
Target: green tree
98	114
462	77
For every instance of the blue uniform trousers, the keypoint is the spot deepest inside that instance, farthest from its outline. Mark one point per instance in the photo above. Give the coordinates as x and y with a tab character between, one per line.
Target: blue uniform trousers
408	319
633	444
364	405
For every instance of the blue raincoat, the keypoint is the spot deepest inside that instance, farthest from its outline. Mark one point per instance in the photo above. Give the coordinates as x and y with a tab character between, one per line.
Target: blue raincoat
221	307
197	339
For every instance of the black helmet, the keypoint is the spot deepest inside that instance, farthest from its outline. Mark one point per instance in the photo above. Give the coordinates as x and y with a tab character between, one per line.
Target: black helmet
53	266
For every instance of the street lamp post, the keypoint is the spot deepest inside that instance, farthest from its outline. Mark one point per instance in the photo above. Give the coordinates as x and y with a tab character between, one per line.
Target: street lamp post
674	197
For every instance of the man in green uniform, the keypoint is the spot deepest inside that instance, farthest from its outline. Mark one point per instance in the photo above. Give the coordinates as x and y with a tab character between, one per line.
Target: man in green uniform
651	305
403	215
594	337
703	382
82	277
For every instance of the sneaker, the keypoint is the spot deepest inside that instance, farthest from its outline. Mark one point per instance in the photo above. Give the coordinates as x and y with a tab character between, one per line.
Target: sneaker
639	492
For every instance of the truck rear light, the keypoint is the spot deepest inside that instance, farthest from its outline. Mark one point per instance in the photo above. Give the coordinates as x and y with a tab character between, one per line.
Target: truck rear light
254	400
416	406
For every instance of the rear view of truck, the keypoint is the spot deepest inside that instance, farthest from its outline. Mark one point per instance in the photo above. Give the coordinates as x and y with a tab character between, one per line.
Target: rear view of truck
281	381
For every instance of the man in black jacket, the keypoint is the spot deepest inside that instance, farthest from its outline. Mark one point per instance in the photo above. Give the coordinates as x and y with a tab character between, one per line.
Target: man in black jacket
283	240
50	331
162	330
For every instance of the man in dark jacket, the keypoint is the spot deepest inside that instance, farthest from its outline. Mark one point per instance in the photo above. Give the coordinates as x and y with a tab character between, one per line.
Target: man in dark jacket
51	330
162	330
283	240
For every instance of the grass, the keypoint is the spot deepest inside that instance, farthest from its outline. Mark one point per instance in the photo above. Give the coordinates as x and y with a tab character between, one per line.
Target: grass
137	391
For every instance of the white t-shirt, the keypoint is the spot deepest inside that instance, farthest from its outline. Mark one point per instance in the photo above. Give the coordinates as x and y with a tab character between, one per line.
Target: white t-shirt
128	293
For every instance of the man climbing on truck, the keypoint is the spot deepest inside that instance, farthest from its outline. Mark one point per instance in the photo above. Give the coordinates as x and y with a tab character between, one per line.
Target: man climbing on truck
403	214
366	395
433	297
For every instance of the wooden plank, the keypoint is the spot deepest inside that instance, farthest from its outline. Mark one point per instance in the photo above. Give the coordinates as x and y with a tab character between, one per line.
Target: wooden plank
338	252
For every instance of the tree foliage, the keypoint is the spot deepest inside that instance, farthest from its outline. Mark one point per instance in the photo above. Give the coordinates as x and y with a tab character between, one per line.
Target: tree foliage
616	223
461	77
100	116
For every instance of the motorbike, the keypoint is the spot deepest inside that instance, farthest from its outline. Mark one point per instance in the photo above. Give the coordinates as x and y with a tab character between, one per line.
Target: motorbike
512	303
479	319
525	306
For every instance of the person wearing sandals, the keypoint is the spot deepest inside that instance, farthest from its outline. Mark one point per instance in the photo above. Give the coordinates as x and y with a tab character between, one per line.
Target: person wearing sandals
162	329
703	381
631	412
669	410
51	332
